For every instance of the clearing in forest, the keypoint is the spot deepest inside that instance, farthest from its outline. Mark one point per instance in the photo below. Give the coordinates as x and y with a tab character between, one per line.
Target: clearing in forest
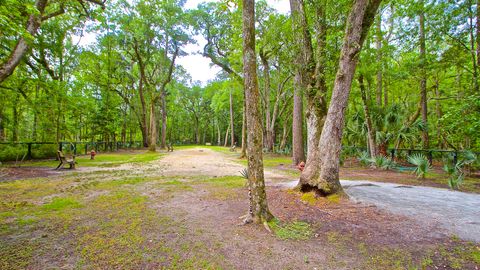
180	210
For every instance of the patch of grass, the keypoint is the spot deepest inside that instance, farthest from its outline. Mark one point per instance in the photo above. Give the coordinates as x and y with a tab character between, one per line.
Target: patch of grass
226	181
104	159
334	198
272	161
296	230
124	181
60	203
176	185
309	198
394	259
17	255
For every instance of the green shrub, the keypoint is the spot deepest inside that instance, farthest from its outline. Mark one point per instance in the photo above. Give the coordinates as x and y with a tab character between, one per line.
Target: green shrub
382	162
364	158
12	152
42	151
422	163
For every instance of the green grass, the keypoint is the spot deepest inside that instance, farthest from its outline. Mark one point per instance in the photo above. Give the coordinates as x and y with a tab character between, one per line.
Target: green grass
296	230
226	181
58	204
103	159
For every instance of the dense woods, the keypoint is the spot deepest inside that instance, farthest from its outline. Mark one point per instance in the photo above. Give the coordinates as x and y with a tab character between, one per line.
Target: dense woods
415	85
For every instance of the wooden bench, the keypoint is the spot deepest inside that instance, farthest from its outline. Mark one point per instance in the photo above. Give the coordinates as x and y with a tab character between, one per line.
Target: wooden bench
63	160
169	148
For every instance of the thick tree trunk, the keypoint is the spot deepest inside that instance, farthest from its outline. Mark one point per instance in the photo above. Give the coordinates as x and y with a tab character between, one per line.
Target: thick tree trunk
423	79
244	129
378	46
232	135
259	212
298	18
298	153
359	21
152	146
312	83
366	110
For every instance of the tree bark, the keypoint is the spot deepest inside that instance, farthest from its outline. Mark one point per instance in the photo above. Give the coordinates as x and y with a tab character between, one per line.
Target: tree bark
312	83
366	110
259	212
163	143
152	145
359	21
283	142
226	137
269	132
244	128
298	15
423	79
219	135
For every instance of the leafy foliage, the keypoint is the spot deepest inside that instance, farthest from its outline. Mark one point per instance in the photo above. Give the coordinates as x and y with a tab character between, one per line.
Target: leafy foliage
422	163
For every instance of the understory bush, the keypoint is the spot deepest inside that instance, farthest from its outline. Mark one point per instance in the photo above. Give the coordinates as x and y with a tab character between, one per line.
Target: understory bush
12	152
457	171
44	151
422	163
382	162
364	158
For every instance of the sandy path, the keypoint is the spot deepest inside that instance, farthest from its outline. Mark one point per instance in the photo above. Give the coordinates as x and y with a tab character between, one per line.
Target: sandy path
204	161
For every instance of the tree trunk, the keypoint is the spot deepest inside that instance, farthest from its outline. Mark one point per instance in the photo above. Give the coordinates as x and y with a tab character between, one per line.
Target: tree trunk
312	83
219	138
226	137
366	110
244	128
298	154
423	79
378	45
21	48
359	21
152	146
143	114
269	140
15	118
259	212
283	142
232	135
298	18
163	143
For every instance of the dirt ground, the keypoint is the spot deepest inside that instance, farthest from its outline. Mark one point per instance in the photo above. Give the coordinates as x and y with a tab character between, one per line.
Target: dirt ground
182	212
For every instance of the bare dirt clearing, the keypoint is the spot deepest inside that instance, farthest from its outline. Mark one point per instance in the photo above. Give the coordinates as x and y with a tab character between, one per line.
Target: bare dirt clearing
181	212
